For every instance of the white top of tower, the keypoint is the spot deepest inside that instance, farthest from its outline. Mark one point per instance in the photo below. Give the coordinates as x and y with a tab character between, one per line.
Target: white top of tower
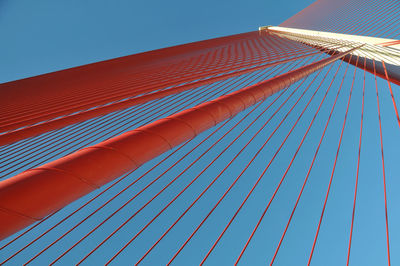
379	49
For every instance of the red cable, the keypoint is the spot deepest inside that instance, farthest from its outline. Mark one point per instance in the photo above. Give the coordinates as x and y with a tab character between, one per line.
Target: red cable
358	168
146	204
391	93
233	141
248	195
53	242
217	178
108	122
276	190
329	187
308	174
19	117
383	166
140	120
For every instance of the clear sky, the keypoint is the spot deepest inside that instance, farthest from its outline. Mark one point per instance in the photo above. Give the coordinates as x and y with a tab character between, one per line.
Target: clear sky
42	36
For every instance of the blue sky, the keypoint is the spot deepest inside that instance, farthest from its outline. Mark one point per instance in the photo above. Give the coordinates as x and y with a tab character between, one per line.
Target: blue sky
47	35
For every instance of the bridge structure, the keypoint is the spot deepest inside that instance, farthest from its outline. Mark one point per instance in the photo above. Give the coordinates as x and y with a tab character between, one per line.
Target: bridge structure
275	146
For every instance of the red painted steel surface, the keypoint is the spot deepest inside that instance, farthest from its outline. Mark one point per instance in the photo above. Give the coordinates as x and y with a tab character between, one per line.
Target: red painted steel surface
33	194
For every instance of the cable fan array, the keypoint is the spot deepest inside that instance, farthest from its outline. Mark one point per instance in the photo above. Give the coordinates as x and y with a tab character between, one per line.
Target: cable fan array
304	174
